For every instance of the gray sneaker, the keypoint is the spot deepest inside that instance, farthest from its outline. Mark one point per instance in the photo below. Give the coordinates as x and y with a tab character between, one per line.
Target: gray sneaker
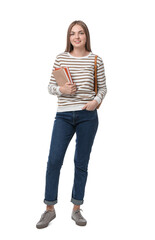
46	218
78	218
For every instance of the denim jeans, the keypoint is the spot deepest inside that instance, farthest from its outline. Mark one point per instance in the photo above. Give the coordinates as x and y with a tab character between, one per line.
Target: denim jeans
85	124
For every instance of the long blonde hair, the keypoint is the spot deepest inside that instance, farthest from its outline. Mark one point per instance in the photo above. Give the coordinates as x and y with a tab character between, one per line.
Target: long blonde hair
69	46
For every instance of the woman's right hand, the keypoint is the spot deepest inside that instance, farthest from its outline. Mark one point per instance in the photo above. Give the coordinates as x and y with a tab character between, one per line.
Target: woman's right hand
68	88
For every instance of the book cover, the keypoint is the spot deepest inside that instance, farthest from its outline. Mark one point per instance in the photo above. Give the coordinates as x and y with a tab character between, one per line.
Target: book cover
62	75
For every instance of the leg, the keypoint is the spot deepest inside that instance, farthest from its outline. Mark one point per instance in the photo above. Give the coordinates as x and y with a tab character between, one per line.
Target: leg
85	134
62	133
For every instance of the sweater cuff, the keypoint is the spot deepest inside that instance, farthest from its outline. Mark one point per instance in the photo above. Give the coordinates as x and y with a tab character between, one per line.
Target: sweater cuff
58	91
97	99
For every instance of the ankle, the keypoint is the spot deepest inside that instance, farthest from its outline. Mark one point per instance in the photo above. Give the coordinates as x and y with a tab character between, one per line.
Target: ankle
76	207
49	207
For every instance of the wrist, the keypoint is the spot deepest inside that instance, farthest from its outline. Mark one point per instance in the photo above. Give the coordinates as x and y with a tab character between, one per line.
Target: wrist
61	89
96	102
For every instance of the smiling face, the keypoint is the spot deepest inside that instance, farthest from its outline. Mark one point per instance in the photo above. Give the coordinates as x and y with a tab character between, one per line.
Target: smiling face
77	37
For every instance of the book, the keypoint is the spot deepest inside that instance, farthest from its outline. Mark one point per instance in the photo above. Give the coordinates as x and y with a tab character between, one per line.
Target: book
62	75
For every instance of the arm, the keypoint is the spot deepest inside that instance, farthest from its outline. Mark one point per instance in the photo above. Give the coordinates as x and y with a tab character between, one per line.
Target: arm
53	88
101	82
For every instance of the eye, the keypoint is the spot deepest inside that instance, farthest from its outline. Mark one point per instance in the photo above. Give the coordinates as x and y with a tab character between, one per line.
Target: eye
73	33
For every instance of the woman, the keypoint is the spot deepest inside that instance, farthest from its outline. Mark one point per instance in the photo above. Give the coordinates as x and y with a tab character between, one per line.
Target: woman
76	113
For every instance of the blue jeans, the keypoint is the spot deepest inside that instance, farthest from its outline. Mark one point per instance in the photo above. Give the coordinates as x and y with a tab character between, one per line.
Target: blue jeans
85	124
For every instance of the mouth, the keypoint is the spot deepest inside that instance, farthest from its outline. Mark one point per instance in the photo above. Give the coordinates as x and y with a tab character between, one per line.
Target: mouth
77	42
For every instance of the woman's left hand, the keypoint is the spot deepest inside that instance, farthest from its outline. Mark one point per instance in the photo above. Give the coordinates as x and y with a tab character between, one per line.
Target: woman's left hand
90	106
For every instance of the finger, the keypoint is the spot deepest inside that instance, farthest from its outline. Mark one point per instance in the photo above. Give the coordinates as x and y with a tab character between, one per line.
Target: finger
73	88
68	83
85	106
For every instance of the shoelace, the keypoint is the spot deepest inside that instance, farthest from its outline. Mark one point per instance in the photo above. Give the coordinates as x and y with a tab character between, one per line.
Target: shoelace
78	211
43	215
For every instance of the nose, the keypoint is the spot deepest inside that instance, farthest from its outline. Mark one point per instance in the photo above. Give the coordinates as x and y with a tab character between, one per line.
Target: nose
76	35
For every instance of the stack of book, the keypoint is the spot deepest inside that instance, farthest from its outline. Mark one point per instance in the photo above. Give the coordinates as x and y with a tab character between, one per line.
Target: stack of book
62	75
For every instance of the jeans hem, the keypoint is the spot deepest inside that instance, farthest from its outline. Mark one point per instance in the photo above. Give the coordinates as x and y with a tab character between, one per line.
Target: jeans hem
50	202
77	202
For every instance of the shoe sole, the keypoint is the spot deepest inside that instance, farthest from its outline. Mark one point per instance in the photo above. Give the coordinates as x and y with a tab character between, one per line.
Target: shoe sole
80	224
45	225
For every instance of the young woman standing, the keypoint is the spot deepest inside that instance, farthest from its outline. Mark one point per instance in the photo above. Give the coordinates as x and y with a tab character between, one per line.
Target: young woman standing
76	113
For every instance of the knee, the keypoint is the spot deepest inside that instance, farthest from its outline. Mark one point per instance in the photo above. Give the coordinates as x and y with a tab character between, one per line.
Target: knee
54	163
81	167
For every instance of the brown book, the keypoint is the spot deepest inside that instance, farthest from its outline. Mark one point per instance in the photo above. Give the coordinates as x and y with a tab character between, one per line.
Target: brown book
62	75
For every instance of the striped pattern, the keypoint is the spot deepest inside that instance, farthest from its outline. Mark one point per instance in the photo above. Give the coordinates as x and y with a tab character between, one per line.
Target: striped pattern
82	72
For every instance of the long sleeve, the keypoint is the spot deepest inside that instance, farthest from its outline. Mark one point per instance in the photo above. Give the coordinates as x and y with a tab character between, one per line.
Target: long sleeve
53	88
101	82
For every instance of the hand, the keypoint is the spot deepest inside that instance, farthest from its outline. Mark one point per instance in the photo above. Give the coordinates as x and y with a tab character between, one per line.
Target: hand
68	88
91	106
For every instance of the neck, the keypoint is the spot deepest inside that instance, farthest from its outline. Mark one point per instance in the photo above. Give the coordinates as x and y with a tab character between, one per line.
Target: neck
76	52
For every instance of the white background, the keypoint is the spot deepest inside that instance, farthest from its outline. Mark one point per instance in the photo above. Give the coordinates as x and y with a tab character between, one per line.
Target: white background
120	200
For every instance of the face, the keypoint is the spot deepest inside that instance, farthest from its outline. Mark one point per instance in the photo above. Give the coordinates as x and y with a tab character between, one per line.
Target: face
77	37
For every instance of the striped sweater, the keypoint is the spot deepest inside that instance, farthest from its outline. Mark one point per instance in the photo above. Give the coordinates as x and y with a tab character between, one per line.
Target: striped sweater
82	72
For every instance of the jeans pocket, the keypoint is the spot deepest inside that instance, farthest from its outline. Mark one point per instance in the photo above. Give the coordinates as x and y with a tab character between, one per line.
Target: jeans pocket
91	110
